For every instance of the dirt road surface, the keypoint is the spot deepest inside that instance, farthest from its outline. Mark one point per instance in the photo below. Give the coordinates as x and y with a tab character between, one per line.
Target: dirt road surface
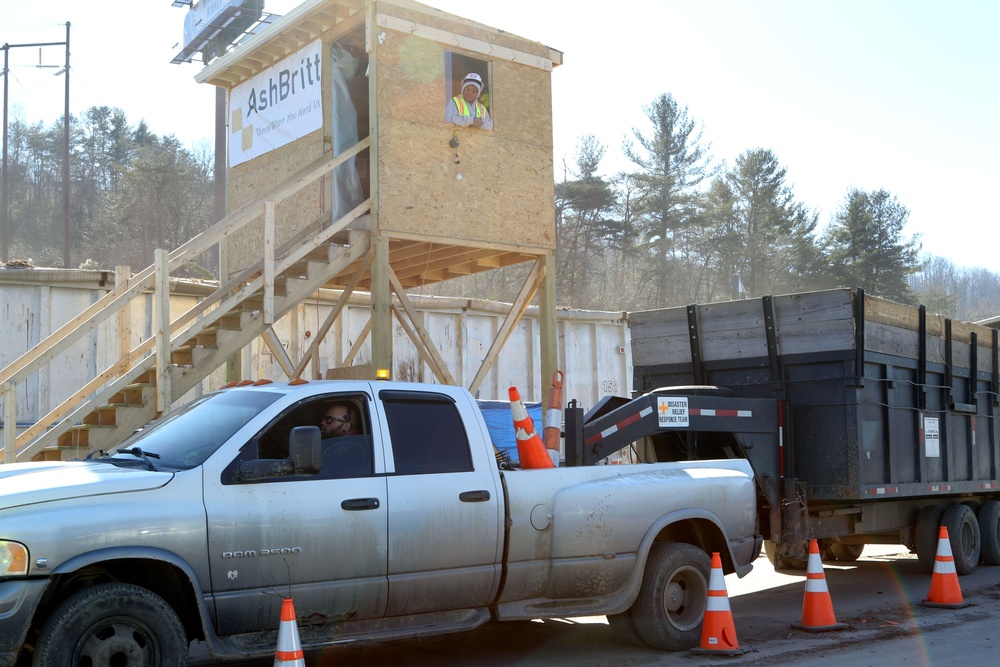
878	598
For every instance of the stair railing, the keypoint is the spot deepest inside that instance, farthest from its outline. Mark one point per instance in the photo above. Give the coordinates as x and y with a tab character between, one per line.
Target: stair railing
155	351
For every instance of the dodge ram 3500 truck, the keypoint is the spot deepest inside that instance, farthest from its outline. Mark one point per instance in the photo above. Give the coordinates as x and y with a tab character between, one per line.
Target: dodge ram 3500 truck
200	523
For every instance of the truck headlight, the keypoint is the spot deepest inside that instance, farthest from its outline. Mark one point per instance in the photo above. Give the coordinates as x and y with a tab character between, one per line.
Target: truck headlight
13	559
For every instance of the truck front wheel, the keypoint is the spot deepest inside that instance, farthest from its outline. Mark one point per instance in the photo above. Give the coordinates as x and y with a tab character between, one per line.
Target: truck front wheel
671	603
113	624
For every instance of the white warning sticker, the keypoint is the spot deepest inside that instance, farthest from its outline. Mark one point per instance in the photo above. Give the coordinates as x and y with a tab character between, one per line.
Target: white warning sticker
932	438
672	411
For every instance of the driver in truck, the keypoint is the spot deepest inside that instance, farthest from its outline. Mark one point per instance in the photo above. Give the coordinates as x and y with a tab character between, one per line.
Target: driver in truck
340	419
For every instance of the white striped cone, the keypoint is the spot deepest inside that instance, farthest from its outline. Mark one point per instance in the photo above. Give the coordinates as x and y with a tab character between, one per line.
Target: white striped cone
718	633
817	607
945	591
531	451
289	651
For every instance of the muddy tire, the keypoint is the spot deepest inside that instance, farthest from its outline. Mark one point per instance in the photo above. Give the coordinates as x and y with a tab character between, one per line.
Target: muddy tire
847	553
671	605
989	532
113	624
926	535
781	562
963	533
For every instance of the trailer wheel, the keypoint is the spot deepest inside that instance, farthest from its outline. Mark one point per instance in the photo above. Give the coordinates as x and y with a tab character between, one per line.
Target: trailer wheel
113	624
989	532
782	562
671	603
848	553
963	533
927	529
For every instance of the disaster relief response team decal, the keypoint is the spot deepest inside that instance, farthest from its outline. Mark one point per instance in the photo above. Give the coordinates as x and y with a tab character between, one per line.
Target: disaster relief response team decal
276	107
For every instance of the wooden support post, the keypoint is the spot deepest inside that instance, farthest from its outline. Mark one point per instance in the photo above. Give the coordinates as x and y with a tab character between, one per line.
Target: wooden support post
381	304
161	294
9	421
441	368
312	354
548	328
517	309
278	350
269	262
122	276
353	352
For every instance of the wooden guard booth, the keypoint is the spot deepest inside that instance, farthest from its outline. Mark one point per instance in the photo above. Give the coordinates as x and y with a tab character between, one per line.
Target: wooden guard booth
437	200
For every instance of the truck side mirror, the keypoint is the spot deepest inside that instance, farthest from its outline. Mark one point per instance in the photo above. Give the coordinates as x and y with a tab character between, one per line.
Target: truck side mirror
305	450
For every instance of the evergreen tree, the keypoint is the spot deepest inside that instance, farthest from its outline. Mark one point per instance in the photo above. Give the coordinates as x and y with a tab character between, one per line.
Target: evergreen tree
672	165
583	228
761	234
865	245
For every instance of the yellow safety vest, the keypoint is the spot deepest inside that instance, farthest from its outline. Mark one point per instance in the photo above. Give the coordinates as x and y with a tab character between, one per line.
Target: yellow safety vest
463	107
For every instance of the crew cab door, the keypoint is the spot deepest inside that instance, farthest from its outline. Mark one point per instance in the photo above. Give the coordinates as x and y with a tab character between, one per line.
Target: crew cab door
445	509
320	538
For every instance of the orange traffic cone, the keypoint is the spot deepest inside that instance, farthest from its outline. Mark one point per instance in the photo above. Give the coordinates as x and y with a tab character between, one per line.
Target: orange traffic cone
530	449
718	634
817	607
289	651
945	591
553	418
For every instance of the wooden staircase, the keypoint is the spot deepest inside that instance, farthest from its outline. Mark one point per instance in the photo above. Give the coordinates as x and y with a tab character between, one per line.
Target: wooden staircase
140	385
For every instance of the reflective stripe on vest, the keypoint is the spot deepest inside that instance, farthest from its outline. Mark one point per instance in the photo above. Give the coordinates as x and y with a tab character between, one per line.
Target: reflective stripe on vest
463	107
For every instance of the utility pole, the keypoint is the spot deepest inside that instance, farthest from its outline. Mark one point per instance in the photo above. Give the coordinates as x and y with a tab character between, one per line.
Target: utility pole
5	189
66	160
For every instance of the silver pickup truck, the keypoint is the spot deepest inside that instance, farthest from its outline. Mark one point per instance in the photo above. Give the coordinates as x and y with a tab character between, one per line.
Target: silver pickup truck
199	524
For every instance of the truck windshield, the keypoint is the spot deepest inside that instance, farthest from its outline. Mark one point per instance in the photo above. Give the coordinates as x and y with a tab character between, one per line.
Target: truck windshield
187	436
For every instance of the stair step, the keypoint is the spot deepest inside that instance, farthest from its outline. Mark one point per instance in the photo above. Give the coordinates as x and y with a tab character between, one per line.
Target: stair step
231	321
147	379
77	436
207	338
104	416
320	253
130	396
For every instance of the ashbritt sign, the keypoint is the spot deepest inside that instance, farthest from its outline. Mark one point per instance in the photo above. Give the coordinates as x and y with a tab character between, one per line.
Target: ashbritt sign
276	107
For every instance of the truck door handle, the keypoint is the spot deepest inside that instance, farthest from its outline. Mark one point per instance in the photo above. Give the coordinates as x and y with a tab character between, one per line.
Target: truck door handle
355	504
474	496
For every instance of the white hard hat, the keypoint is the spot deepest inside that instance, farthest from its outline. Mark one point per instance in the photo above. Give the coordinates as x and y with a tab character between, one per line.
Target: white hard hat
473	79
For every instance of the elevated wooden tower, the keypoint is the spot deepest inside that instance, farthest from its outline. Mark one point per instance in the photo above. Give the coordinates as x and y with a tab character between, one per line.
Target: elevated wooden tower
344	173
437	200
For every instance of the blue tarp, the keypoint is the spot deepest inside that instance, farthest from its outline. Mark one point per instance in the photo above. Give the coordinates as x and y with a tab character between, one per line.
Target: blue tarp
500	423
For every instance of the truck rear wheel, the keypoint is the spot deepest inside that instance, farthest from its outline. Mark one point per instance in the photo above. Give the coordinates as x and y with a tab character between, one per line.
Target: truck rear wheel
989	532
926	535
671	603
113	624
847	553
963	533
782	562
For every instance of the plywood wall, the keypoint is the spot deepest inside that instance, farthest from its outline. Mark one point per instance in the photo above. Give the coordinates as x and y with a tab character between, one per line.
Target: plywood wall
495	187
255	178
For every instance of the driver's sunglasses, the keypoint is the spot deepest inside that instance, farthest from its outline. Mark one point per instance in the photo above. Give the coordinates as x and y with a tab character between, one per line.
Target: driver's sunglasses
330	420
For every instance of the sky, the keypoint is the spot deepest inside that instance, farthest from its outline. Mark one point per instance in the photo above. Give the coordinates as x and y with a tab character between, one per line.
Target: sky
901	95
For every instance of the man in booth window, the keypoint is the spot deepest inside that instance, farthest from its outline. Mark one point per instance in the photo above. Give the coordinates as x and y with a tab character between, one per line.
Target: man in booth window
466	109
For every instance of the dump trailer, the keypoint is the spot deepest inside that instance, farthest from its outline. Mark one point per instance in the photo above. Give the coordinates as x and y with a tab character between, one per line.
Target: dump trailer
865	421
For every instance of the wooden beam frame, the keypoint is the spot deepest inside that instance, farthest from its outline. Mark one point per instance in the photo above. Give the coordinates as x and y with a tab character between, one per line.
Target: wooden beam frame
324	329
524	297
441	367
